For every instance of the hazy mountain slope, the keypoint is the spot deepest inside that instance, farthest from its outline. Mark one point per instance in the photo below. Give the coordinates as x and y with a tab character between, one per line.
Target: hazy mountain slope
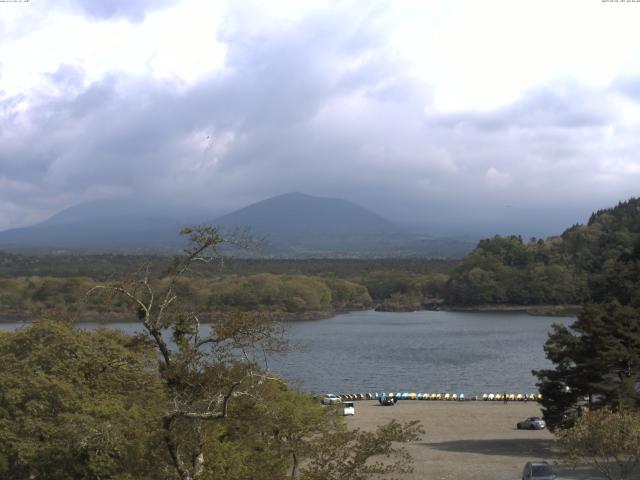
296	218
294	225
107	225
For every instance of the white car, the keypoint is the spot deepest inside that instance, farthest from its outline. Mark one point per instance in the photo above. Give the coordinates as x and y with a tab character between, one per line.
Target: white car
349	409
330	399
531	423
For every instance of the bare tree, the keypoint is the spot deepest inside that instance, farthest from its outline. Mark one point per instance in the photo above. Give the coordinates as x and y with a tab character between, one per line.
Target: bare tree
203	374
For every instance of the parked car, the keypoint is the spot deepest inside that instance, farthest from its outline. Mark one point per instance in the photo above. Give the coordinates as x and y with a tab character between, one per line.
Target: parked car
330	399
348	409
387	401
531	423
538	471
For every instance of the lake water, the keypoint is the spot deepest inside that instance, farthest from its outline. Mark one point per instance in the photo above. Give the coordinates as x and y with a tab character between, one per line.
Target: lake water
422	351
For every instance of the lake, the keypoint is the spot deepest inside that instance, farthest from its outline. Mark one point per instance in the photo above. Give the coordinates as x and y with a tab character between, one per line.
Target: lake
418	351
421	351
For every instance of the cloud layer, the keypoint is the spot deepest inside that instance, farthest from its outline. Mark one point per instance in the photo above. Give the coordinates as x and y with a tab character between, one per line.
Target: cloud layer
318	101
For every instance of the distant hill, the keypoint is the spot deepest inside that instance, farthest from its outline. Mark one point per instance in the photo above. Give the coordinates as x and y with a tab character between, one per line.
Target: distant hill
573	268
106	225
294	225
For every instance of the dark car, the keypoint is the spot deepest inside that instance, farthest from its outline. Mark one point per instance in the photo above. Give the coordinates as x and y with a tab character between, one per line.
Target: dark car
387	401
538	471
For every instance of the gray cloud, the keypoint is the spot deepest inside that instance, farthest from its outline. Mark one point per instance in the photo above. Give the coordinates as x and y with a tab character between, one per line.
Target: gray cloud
558	106
320	107
134	11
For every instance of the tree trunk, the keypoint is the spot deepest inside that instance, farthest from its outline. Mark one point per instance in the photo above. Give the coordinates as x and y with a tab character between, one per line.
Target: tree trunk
294	467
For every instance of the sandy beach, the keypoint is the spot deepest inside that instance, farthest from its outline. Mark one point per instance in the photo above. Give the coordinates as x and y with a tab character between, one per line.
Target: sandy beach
468	440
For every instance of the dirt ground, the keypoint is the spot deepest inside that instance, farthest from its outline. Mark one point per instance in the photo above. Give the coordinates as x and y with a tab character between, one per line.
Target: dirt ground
469	440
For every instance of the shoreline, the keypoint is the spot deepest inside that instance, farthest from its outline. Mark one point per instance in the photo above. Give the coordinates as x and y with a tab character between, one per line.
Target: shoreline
121	317
533	310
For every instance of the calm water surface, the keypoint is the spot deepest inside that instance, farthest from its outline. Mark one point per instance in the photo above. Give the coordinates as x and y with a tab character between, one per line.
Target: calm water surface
418	351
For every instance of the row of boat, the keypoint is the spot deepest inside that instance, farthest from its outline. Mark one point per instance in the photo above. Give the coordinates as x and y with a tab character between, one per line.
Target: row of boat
515	397
518	397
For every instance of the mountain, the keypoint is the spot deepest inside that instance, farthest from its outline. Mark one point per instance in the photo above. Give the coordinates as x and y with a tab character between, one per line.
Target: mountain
107	225
300	225
298	219
293	225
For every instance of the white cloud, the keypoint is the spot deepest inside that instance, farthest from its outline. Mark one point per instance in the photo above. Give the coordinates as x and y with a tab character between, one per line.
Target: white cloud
178	43
481	55
417	109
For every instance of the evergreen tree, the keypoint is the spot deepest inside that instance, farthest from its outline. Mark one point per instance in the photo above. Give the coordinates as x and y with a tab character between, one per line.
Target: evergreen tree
597	359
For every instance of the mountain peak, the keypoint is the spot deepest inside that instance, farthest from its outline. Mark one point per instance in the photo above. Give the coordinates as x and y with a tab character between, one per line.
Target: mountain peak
297	218
293	195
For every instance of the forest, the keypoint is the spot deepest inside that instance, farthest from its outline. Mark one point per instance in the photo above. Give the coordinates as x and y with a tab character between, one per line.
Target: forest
569	269
320	287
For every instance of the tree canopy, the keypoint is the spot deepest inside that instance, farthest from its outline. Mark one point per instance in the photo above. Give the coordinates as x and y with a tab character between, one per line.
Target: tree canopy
78	404
570	269
597	359
610	441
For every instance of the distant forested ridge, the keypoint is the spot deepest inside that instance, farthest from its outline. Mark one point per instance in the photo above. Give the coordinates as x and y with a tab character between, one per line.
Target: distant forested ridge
569	269
30	285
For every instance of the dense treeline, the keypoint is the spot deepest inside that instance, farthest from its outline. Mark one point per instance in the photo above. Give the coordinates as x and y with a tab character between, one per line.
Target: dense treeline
505	270
101	267
35	284
263	292
570	269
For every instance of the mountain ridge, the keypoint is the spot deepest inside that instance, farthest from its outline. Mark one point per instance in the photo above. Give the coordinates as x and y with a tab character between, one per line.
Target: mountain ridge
295	225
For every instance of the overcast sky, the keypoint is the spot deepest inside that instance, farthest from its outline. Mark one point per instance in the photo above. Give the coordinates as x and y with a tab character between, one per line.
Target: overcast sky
465	113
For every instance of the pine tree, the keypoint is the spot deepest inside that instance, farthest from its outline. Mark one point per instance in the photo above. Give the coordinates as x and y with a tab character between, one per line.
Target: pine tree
597	359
